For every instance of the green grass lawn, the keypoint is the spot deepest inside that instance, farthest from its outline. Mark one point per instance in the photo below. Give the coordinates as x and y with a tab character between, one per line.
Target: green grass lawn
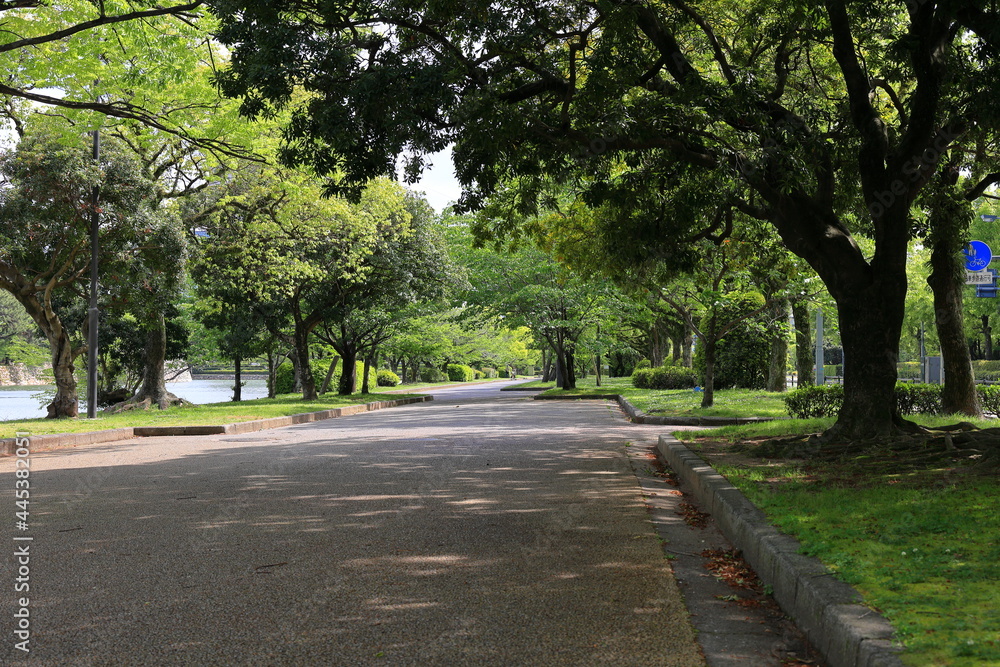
207	414
681	402
921	545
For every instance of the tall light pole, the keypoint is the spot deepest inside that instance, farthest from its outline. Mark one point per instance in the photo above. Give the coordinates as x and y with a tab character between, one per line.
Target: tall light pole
95	220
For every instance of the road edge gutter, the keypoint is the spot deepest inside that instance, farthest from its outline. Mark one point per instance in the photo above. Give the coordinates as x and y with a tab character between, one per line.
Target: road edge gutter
828	611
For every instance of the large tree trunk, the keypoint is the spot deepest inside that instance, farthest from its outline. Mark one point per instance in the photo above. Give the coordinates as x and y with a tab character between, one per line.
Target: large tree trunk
569	367
804	353
65	403
308	382
349	370
154	387
238	380
709	341
777	370
871	322
949	222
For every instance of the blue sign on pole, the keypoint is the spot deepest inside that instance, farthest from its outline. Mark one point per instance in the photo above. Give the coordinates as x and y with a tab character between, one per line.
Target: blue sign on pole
977	256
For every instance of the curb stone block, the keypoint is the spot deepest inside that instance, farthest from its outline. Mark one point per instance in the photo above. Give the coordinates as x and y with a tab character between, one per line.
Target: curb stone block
61	440
845	632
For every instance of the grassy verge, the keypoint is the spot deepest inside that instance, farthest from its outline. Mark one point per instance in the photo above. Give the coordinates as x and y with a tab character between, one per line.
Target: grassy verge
921	545
209	413
409	388
682	402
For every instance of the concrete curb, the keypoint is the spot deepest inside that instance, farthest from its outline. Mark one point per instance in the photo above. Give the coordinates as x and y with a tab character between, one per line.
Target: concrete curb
828	611
64	440
639	417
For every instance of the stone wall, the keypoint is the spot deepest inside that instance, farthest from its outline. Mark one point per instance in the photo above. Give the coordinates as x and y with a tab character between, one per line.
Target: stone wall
19	374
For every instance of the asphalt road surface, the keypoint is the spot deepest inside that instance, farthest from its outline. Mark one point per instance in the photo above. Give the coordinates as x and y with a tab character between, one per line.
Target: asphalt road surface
483	528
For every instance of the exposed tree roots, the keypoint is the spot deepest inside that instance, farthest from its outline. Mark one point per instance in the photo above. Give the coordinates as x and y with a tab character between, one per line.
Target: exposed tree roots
961	443
140	403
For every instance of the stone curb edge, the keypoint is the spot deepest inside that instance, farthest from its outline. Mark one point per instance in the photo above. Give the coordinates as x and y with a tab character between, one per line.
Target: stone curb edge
640	417
61	440
827	610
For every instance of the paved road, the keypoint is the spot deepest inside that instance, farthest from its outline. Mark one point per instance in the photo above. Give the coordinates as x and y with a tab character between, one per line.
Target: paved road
483	528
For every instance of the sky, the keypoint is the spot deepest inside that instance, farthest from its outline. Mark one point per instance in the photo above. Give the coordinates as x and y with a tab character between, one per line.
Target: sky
438	182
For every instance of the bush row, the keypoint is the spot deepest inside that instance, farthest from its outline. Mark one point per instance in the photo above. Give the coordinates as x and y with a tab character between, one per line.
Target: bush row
285	378
664	377
911	399
460	373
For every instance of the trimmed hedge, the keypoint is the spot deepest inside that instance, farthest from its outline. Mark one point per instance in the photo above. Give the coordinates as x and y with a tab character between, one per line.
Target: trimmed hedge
285	378
460	373
387	379
911	399
432	375
488	373
664	377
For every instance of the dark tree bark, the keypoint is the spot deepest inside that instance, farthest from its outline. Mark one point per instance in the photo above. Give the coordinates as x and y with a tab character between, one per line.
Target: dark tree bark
329	375
777	369
153	390
306	378
804	357
709	341
238	380
987	338
949	221
349	369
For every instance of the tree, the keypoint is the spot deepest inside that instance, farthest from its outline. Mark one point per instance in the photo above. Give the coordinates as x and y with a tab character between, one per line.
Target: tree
746	94
45	243
402	267
114	61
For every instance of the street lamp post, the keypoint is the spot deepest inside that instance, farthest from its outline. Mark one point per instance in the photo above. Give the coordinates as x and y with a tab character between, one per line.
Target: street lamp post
92	313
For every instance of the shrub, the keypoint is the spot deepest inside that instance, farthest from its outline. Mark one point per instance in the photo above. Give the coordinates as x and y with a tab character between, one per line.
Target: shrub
643	363
989	398
387	379
504	373
432	374
664	377
814	402
909	369
912	398
460	373
743	355
489	373
826	400
284	376
641	377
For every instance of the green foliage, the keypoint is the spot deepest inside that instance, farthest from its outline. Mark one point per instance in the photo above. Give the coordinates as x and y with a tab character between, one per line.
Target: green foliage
989	398
503	373
826	400
918	399
488	372
664	377
742	356
386	378
460	373
643	363
814	402
986	371
285	379
432	374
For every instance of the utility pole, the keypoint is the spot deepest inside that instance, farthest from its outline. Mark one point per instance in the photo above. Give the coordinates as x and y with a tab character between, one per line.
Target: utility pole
95	221
820	375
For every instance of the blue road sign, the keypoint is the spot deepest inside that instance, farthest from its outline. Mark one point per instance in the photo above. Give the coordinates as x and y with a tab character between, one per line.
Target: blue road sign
977	256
